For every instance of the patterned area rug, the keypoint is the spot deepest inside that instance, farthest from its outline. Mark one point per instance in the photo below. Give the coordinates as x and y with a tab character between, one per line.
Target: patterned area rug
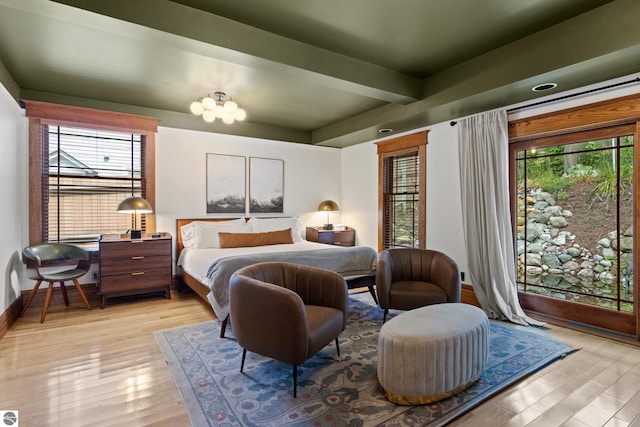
332	391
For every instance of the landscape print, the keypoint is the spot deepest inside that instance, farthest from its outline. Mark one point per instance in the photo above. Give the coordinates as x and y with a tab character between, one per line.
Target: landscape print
226	184
266	185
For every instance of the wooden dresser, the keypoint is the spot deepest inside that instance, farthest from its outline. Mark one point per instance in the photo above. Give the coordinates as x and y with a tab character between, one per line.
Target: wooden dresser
134	266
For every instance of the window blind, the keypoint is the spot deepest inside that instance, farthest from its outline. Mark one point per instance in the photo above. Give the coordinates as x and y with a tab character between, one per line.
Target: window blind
88	172
401	193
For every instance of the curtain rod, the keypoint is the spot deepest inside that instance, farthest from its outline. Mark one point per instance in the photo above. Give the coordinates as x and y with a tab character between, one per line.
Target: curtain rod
560	98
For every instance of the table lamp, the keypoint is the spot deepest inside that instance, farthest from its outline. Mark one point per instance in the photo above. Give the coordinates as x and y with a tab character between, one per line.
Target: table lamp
134	205
328	206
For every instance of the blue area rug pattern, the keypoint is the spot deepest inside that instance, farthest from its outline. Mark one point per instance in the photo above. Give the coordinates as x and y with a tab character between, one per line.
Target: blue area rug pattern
332	391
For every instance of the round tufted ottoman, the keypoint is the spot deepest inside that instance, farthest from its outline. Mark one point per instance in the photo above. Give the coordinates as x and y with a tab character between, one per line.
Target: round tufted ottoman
433	352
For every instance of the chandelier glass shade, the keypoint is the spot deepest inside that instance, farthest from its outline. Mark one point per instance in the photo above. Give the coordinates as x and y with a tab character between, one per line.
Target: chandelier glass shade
212	108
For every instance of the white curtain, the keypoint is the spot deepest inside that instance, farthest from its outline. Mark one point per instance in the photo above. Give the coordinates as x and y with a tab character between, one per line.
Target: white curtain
484	178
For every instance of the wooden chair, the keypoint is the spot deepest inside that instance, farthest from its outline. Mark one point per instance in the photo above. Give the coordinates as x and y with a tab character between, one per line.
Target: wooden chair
41	260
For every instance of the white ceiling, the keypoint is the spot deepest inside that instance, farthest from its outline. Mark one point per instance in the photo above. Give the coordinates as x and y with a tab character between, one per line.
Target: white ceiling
329	72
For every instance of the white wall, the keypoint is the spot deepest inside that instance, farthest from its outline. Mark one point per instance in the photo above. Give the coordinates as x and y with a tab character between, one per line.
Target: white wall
360	192
13	183
311	174
444	215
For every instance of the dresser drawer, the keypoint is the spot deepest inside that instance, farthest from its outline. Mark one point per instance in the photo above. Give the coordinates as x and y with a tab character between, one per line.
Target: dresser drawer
342	238
137	281
346	237
134	248
132	264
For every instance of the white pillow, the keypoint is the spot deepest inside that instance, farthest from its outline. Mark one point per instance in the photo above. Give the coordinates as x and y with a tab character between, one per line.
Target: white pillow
261	225
204	234
187	232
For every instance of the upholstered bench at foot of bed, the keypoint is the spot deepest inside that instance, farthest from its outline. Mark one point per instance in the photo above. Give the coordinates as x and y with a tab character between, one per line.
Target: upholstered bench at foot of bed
433	352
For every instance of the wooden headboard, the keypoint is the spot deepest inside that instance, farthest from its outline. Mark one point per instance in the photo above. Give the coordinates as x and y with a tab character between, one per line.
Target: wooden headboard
184	221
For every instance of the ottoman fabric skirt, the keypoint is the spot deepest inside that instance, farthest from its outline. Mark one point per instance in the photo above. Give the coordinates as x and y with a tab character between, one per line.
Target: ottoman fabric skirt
433	352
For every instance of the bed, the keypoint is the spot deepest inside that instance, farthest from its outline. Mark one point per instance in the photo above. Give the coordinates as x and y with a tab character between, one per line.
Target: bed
208	252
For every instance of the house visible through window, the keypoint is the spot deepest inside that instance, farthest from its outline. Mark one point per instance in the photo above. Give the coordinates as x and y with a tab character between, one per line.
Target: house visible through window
83	163
402	192
90	172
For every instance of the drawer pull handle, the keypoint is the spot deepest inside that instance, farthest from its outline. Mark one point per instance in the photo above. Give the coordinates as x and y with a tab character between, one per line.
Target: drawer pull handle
137	257
137	241
337	243
137	273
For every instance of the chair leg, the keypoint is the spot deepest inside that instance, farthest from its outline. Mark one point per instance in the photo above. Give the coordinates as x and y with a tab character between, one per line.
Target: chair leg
81	292
47	300
223	328
63	289
386	311
33	293
244	355
295	381
337	347
373	292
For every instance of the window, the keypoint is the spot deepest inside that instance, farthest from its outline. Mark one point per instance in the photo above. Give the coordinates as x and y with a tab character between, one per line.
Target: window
573	196
401	201
90	171
83	163
402	192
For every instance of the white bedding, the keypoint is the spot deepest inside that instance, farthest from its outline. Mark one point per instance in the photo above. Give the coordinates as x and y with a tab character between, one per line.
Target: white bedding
213	267
196	262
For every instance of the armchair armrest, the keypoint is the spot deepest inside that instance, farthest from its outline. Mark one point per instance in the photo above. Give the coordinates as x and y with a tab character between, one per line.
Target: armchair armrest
445	274
383	278
30	257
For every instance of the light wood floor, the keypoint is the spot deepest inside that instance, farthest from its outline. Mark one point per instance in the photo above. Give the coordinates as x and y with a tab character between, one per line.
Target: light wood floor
104	368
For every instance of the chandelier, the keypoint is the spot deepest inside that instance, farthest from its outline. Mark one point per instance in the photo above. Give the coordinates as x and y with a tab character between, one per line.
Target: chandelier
217	108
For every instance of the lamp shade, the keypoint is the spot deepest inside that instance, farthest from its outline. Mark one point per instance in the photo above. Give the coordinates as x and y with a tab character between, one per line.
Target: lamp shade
208	116
134	205
208	103
197	108
328	205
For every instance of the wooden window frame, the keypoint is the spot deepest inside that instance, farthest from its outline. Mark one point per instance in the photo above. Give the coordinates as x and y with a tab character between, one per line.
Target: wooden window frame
413	143
570	123
43	113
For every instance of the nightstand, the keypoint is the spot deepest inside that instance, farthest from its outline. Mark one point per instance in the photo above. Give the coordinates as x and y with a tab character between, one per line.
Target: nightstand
134	266
332	237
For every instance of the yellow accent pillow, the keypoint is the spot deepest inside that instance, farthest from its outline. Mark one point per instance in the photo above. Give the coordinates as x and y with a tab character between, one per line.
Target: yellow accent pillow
239	240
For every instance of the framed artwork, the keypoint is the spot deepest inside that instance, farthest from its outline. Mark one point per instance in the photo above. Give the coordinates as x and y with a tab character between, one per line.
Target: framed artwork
266	185
226	183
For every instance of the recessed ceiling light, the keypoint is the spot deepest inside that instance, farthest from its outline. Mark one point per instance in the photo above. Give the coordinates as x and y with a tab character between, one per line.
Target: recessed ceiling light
385	130
544	86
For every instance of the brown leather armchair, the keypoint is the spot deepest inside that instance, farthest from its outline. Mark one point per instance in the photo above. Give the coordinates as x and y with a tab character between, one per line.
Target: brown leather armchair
286	311
410	278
